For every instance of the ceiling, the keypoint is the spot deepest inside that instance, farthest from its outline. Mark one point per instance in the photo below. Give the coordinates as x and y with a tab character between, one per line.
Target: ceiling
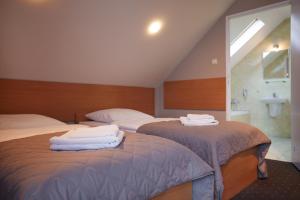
271	18
100	41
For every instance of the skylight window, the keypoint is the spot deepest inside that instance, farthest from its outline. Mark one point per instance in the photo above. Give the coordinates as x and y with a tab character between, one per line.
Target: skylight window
245	35
266	53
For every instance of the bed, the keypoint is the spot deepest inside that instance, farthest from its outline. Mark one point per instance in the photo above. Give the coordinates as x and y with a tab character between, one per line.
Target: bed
235	150
141	167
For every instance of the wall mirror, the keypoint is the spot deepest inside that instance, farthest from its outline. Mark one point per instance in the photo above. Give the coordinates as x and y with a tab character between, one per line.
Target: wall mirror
275	64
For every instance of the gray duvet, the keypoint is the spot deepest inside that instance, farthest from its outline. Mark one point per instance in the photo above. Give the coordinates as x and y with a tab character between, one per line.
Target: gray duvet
140	168
214	144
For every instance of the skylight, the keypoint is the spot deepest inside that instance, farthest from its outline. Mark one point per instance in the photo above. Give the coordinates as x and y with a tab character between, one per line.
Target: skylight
266	53
245	35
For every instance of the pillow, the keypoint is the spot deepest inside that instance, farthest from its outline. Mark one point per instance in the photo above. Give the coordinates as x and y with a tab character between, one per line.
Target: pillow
23	121
117	114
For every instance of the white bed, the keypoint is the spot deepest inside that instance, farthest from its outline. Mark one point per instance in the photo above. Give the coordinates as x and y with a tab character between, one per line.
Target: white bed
127	119
26	125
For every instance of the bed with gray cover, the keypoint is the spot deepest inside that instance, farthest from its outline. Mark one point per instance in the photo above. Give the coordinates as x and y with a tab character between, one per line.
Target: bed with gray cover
214	144
141	167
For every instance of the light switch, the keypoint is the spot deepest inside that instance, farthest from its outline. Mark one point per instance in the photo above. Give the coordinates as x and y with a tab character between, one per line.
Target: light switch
214	61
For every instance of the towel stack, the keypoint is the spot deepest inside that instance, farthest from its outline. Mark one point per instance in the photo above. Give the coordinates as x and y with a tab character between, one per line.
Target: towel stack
199	120
88	138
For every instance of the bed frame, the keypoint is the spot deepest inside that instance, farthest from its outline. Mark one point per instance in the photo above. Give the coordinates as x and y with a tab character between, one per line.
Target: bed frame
180	192
238	173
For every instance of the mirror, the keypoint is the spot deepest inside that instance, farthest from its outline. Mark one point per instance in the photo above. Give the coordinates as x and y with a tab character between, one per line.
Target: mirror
275	64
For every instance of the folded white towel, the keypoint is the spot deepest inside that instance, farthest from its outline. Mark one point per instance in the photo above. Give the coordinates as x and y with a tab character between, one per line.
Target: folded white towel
99	131
200	117
186	122
201	121
61	140
88	146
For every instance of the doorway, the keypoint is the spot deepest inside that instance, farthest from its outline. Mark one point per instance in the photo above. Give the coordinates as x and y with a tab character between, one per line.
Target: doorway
258	74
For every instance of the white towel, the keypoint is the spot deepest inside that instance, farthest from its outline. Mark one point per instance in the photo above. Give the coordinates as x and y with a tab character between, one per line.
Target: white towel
99	131
201	121
62	140
200	117
186	122
88	146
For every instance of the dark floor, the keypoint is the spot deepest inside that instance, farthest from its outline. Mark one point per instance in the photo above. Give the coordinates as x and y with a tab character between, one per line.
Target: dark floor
283	183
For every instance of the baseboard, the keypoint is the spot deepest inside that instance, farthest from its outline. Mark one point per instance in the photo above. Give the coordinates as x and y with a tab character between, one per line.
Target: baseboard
297	165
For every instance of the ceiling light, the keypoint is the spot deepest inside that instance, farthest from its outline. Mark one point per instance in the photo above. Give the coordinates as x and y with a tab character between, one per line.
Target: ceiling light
36	2
275	47
154	27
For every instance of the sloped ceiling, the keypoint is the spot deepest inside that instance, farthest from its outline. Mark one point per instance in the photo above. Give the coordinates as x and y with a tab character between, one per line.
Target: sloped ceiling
100	41
271	17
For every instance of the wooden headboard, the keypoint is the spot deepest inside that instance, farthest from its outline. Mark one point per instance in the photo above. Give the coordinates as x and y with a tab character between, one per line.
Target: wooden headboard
70	101
200	94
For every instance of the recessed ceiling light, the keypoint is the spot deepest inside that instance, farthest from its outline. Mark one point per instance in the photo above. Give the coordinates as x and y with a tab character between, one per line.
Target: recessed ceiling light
36	1
154	27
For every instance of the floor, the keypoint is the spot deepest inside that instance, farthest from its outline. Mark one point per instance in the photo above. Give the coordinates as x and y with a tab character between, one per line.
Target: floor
281	149
283	184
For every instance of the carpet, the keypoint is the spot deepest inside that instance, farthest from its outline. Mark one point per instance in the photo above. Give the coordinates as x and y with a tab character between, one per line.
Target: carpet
283	184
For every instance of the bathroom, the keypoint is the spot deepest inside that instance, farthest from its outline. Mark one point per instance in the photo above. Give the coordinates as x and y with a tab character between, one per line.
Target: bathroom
260	84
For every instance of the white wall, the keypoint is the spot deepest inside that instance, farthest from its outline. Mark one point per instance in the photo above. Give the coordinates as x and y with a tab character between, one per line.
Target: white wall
295	39
100	41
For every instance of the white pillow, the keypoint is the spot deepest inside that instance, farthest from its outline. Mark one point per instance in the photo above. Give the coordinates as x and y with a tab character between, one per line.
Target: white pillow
117	114
23	121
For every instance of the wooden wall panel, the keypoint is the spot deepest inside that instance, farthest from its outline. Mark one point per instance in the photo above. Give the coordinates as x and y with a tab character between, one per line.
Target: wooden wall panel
66	101
200	94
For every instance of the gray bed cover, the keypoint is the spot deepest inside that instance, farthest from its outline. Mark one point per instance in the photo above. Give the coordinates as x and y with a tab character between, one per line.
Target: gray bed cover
214	144
140	168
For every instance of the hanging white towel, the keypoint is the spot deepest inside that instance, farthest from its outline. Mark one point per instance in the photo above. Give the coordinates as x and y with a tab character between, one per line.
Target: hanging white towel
88	146
199	116
186	122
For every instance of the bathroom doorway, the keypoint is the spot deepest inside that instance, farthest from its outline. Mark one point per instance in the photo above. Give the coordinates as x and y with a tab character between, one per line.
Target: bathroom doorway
258	74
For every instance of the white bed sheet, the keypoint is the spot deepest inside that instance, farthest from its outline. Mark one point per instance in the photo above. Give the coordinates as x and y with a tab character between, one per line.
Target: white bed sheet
133	125
23	121
10	134
93	123
127	125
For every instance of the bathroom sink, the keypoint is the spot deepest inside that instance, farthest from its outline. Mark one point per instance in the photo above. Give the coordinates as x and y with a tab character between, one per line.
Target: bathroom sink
275	105
272	100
